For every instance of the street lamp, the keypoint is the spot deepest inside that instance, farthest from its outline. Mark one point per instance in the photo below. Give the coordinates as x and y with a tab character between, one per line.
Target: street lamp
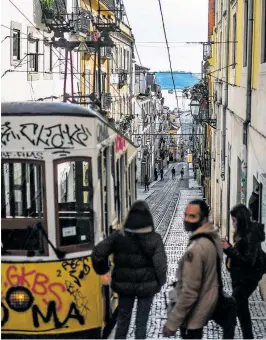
195	107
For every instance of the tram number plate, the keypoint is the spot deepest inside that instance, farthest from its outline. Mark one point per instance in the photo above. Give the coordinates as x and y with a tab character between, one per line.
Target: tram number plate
69	231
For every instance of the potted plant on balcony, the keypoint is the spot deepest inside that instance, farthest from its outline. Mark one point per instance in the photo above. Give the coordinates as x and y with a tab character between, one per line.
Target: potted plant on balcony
48	9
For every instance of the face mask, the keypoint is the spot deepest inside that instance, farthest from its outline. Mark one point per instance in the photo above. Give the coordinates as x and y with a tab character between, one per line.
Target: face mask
190	227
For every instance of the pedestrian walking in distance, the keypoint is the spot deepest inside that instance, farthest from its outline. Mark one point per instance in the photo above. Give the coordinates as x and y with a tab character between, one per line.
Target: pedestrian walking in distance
161	172
196	289
140	267
253	204
146	182
173	173
245	263
182	173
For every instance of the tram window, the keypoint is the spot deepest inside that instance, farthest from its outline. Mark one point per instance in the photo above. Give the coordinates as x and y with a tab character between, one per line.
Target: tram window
22	190
22	186
74	202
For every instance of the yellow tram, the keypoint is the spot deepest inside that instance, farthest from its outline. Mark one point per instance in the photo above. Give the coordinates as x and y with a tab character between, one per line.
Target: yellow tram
67	178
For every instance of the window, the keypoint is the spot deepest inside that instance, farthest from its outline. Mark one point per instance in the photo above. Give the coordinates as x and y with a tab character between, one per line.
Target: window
125	59
74	203
128	61
22	206
121	58
48	60
245	47
116	59
103	81
234	42
87	82
263	32
15	43
33	51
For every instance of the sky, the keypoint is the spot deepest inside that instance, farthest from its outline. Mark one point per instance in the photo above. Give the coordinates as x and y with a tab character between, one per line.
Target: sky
185	20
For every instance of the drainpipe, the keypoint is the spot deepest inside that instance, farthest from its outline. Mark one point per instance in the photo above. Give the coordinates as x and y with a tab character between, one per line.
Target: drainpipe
248	102
226	88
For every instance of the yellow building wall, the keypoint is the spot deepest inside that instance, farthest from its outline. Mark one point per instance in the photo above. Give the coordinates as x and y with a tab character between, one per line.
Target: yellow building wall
256	42
240	40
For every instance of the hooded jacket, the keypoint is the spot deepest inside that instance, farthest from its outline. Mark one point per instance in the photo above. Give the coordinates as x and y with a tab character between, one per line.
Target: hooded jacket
253	205
197	281
245	255
140	262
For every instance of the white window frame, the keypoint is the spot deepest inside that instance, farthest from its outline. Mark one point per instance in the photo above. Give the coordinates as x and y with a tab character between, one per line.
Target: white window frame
47	69
33	52
15	26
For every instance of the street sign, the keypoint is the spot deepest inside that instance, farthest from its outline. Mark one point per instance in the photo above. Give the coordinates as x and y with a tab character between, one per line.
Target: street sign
82	47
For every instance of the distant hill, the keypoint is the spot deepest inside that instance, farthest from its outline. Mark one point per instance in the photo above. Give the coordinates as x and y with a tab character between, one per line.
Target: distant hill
182	79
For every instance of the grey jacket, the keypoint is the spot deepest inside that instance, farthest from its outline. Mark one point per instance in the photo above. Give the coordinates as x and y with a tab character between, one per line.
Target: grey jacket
197	283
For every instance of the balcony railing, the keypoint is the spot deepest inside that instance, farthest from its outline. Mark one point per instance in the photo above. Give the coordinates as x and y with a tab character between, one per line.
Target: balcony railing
81	20
56	17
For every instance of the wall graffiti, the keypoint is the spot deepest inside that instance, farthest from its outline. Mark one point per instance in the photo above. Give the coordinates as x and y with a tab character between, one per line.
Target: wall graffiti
62	299
21	154
38	283
77	270
52	137
120	143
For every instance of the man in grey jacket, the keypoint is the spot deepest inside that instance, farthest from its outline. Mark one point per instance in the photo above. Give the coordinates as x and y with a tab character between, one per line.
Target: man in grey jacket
197	282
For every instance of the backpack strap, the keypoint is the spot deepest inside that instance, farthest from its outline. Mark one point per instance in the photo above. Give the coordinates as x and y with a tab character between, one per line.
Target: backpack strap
219	269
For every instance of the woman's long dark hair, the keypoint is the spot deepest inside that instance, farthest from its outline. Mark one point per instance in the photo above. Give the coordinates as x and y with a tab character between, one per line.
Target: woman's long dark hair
243	217
139	215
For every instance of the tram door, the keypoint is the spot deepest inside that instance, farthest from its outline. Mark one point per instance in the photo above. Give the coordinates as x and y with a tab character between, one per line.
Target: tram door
118	197
105	171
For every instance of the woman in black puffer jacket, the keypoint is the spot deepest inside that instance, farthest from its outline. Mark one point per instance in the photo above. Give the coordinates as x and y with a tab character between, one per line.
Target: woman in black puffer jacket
245	262
140	267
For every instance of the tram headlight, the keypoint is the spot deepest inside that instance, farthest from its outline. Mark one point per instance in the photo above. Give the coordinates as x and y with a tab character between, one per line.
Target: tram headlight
19	299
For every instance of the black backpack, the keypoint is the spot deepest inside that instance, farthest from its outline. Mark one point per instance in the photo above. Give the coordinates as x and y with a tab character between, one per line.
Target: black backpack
225	312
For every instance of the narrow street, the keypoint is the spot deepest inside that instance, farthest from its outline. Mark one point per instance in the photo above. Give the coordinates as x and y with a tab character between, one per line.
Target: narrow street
167	200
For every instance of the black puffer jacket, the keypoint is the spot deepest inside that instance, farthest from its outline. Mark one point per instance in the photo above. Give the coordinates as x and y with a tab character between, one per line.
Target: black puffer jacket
140	263
245	257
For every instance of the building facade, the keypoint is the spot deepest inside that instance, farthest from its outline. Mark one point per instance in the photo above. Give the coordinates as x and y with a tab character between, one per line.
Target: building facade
238	85
33	68
147	111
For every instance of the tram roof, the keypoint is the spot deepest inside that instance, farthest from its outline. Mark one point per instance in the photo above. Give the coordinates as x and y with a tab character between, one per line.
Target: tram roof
53	109
47	109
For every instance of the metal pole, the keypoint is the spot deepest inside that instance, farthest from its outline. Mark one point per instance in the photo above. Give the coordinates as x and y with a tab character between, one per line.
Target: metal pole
99	75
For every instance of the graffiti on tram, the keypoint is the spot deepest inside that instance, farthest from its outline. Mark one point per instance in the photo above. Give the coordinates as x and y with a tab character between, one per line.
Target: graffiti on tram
59	292
50	137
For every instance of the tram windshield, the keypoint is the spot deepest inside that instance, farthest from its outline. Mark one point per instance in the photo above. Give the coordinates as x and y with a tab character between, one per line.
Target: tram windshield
22	201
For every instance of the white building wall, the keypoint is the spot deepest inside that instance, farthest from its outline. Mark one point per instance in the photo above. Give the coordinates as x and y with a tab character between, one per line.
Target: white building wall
17	83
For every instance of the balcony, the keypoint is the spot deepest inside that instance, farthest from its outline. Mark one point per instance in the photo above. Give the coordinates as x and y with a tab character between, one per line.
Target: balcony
57	19
81	19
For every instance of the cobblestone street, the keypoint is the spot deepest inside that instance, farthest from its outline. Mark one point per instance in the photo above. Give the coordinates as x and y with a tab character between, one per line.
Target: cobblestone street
167	200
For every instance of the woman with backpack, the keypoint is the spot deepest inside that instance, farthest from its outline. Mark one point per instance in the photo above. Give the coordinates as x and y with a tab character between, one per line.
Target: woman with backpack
245	263
140	267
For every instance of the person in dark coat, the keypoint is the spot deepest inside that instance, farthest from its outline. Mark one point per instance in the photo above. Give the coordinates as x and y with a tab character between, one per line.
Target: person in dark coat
161	172
146	182
140	267
173	173
245	263
253	204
